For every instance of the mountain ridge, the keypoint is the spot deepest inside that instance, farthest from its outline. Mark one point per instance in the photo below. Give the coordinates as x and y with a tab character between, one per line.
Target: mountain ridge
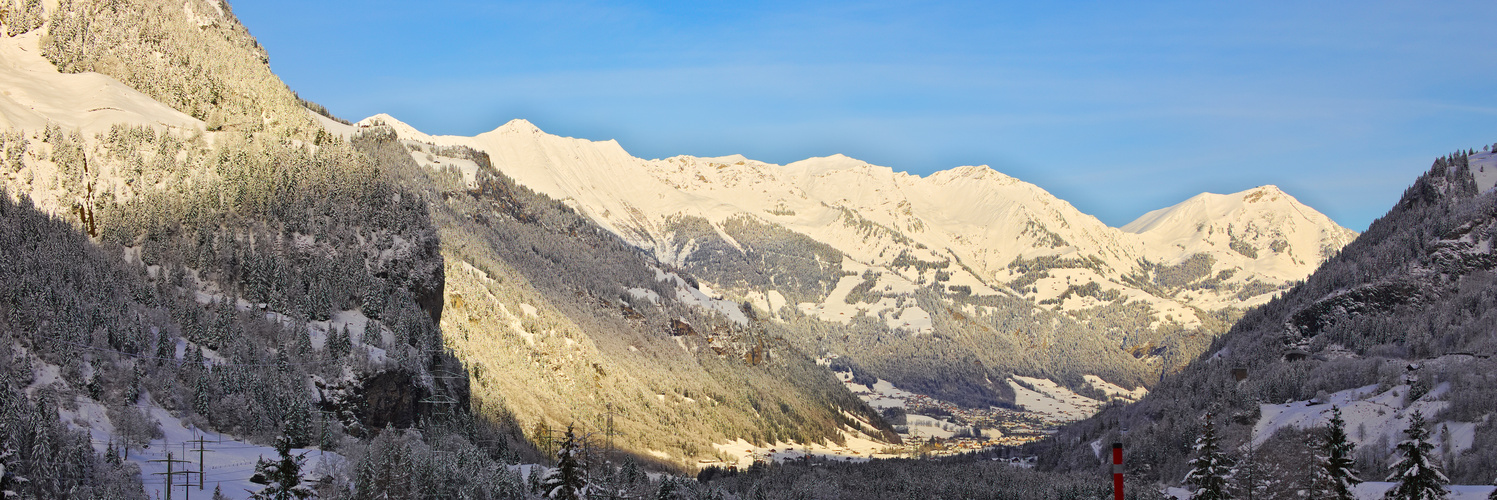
969	233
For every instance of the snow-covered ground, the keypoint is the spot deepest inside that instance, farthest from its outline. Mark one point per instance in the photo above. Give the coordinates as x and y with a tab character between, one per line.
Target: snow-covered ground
1371	417
1053	401
702	297
882	394
1484	170
897	314
36	95
227	462
1374	490
1115	391
858	447
464	166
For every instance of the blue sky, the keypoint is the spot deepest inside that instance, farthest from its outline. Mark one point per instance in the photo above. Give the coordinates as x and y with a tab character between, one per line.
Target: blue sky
1117	107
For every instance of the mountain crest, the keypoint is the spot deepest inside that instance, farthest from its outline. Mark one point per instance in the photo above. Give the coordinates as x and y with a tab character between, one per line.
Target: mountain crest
518	126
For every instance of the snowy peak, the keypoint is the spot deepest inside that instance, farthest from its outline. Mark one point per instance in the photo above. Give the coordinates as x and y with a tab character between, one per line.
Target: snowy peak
1263	230
1209	207
826	165
518	126
977	172
1266	193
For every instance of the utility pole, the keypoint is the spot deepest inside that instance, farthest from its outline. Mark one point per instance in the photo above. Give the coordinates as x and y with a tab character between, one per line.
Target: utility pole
170	473
201	450
608	453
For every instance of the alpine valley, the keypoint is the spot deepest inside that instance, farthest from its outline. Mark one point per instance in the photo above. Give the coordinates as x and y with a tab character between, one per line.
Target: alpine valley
210	283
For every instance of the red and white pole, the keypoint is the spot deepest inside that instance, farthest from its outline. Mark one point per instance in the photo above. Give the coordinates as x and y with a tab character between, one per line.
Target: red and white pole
1117	471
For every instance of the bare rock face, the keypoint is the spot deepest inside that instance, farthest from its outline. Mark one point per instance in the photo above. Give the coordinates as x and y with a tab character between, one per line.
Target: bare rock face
391	399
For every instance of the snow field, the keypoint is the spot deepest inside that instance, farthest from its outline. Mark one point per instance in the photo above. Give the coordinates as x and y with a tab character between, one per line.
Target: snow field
1484	170
1115	391
227	462
466	167
835	308
1052	401
35	94
702	297
1371	417
858	447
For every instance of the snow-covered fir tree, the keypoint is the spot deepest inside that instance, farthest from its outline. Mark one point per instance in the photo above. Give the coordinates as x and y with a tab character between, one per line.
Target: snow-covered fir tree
1211	469
8	479
566	481
667	489
1253	476
1418	476
1335	468
282	476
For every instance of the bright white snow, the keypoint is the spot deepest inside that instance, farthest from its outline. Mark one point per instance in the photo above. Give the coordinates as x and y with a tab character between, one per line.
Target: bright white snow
873	214
34	94
1051	400
1371	417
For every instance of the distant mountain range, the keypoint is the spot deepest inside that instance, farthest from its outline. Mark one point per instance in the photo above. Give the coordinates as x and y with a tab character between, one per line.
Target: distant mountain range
891	257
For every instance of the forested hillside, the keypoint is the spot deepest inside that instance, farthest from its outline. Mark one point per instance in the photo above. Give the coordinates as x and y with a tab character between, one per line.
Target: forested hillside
1401	320
564	323
252	275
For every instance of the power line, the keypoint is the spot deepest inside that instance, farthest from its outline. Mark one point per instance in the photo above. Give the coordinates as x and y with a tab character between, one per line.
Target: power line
201	450
170	474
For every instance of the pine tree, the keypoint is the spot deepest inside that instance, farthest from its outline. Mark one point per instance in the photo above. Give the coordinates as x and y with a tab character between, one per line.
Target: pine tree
1211	469
1334	467
202	397
166	349
338	343
1418	477
1252	477
283	476
9	481
112	454
303	341
566	481
667	489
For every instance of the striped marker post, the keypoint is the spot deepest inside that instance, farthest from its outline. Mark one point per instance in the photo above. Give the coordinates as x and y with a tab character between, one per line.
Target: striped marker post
1117	471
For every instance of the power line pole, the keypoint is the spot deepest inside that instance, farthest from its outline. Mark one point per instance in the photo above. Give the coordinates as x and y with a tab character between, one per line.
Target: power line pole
170	473
201	449
608	452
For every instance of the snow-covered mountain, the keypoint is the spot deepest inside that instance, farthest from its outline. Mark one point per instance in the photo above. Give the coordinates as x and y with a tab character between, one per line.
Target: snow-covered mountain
979	221
956	254
1263	233
1397	322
